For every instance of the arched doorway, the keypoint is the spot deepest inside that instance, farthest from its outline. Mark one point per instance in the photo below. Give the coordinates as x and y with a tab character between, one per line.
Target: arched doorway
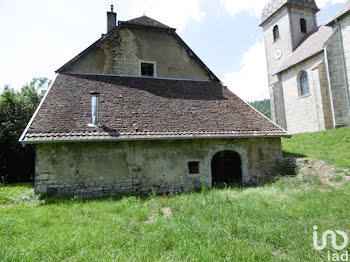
226	167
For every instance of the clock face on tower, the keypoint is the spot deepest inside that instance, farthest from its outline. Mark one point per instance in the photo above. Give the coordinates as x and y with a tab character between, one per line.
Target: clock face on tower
278	54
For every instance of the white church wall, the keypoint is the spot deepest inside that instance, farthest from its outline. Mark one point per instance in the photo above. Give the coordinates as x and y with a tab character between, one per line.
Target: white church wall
303	112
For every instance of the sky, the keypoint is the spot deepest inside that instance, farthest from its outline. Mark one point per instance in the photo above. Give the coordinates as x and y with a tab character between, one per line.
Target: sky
39	36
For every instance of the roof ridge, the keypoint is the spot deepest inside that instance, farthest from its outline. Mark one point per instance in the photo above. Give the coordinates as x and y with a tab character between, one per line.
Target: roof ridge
146	21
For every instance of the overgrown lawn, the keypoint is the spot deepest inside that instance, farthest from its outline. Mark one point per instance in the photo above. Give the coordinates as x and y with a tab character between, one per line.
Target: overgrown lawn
270	223
332	146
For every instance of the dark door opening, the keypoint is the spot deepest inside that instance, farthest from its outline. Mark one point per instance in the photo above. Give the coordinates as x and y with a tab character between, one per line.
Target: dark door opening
226	168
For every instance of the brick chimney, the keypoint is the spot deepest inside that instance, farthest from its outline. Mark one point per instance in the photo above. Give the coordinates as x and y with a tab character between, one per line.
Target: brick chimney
111	19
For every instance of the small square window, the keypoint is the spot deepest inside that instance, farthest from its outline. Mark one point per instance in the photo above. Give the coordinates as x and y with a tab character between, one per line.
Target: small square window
147	69
193	167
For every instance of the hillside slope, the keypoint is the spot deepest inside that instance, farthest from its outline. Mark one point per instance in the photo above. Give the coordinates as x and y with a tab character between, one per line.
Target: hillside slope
332	146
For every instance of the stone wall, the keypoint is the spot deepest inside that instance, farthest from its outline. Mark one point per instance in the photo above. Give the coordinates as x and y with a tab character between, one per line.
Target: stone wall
296	13
337	81
305	113
96	169
284	44
122	52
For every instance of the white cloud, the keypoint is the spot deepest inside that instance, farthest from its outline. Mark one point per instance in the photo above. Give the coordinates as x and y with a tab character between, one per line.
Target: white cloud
176	14
250	82
323	3
255	7
234	7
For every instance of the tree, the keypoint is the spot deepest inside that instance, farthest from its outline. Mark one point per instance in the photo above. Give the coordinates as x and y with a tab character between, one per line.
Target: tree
16	109
263	106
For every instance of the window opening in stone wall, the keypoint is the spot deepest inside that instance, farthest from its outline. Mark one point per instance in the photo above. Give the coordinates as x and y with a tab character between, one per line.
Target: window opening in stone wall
147	69
276	33
303	27
304	83
193	167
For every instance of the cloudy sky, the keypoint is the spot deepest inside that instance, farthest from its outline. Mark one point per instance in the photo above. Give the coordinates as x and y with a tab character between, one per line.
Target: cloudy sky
39	36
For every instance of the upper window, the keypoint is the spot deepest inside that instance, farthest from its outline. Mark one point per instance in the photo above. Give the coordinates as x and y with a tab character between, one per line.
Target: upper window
304	84
276	33
147	69
303	27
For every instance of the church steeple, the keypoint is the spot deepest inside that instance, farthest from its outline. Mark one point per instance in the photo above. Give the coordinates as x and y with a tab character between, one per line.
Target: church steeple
285	24
274	5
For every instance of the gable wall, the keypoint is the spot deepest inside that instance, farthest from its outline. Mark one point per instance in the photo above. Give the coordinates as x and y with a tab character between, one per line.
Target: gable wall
120	54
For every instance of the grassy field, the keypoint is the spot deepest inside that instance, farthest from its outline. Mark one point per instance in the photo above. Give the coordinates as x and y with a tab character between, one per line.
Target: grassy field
273	222
332	146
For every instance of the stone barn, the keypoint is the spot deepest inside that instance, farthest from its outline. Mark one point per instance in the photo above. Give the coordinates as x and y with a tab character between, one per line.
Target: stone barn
138	110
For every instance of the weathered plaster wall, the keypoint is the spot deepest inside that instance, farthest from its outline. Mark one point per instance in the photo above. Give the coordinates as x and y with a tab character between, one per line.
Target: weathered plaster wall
121	52
97	169
305	113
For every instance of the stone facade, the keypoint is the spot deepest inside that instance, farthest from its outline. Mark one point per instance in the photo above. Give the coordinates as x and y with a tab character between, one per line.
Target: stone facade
305	113
99	169
327	106
122	52
338	60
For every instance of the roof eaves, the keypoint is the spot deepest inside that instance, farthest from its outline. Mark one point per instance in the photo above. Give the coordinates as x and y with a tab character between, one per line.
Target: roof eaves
22	137
284	68
154	138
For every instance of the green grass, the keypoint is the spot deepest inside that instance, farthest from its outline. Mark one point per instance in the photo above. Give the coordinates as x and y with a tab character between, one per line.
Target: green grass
273	222
269	223
332	146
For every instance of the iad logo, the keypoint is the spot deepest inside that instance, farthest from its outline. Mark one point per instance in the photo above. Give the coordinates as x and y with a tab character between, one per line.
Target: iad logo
333	235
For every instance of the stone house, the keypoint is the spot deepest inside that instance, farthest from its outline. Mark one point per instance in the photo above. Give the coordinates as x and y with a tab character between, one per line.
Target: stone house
139	110
308	66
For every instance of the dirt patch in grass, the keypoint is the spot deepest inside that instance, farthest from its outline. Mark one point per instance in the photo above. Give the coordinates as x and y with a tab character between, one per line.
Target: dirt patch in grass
167	212
319	172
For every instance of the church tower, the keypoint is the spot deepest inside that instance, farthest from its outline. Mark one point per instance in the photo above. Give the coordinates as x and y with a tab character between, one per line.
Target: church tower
285	23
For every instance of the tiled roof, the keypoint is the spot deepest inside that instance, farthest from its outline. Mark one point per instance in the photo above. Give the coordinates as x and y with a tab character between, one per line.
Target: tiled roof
274	5
146	21
144	108
345	8
311	44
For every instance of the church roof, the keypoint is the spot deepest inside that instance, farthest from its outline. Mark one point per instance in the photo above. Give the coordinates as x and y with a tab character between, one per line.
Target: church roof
143	108
274	5
345	9
146	21
310	45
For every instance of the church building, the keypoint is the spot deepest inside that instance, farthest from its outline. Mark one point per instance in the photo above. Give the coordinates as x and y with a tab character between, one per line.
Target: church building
308	65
